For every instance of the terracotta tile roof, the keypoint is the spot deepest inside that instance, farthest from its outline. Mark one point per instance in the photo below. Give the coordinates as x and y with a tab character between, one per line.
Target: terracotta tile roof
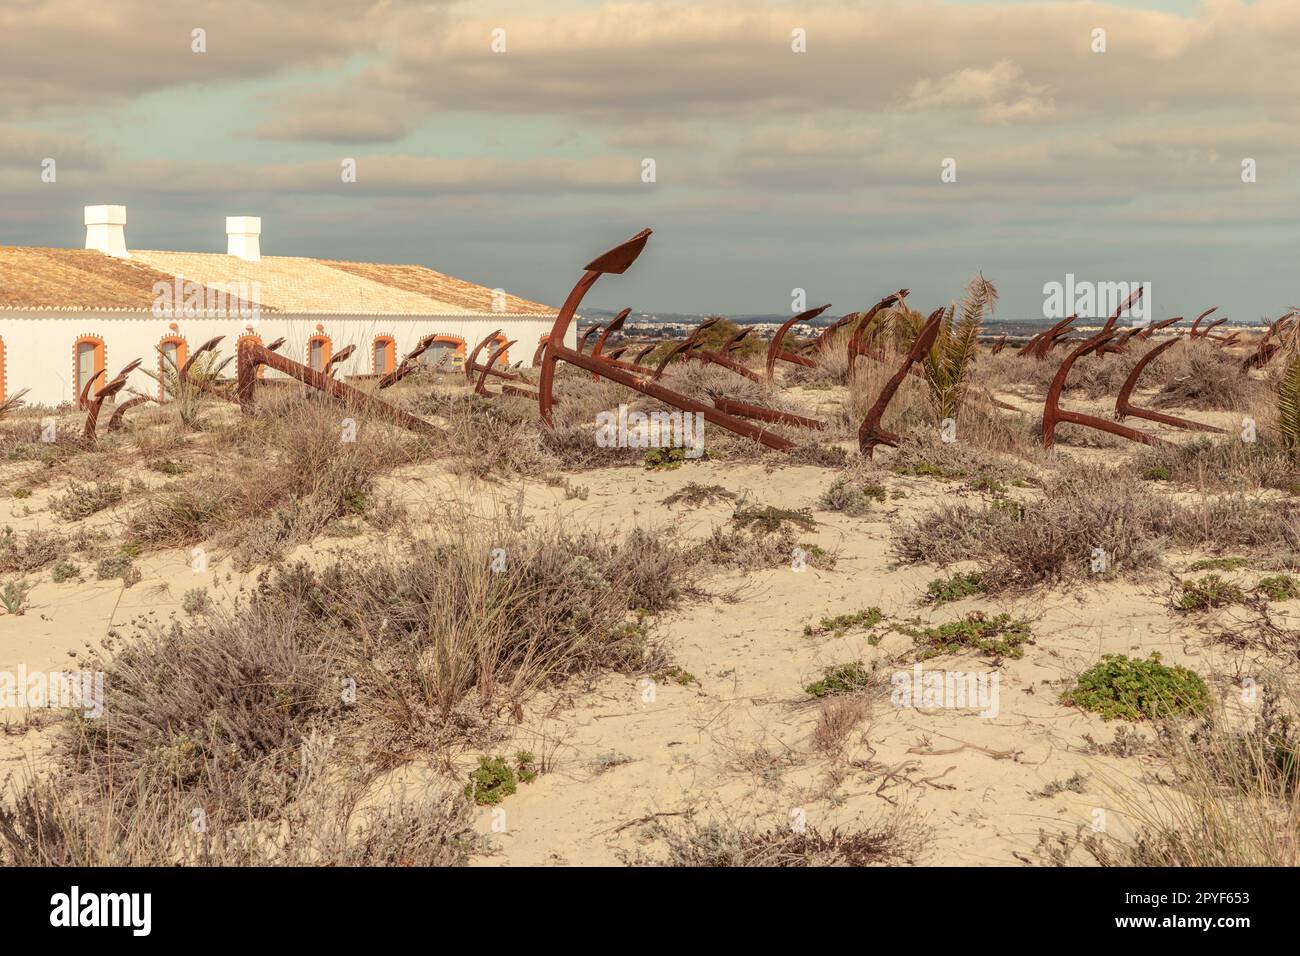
435	285
80	280
83	279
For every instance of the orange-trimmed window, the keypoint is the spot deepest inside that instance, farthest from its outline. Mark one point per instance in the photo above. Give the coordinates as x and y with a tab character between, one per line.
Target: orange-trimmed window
319	350
383	355
172	355
87	362
442	344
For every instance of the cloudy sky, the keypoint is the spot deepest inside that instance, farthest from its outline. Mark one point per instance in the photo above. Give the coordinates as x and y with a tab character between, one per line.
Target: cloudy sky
774	169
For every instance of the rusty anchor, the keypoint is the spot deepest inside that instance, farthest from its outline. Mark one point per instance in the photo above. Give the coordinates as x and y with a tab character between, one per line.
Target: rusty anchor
1054	414
250	355
860	330
774	350
1124	407
615	262
870	434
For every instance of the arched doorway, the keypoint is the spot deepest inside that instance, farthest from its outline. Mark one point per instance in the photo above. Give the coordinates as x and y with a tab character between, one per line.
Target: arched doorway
173	352
87	362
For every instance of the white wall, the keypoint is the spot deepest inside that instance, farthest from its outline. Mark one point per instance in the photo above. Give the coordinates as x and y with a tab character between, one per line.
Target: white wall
38	346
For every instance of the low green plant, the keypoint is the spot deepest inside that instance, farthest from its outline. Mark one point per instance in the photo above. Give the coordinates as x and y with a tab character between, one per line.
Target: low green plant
676	675
13	595
491	782
1134	689
1077	783
111	568
840	624
169	466
842	679
963	584
1209	591
817	556
1219	564
665	459
852	497
1278	587
695	494
769	519
609	760
526	766
998	636
64	571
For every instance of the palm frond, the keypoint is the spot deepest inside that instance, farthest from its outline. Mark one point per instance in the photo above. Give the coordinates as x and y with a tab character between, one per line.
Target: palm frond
12	403
1288	405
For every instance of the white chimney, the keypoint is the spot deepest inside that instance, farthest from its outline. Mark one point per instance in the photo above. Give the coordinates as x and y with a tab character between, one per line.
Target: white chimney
106	230
243	237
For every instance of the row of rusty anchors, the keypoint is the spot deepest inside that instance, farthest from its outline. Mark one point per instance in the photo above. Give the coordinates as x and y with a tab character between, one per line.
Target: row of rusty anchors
472	366
684	347
722	356
1054	414
1269	345
615	262
613	356
251	356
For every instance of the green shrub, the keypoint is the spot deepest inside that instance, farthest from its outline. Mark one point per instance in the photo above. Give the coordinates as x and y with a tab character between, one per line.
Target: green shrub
851	497
492	782
13	596
1209	591
842	679
110	568
64	571
526	766
1278	587
963	584
1135	689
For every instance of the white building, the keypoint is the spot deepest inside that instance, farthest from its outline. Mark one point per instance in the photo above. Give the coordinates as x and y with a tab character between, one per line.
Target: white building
68	313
